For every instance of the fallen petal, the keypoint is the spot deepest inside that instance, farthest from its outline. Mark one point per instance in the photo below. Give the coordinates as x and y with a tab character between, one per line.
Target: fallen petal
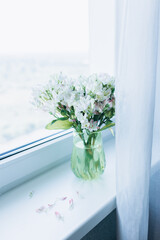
51	205
58	216
41	209
79	195
71	204
64	198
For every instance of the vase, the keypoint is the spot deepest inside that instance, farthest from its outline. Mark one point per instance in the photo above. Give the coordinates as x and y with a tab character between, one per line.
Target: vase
88	158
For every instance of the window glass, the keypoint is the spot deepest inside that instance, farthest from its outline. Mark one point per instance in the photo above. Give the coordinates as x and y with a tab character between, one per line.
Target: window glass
38	38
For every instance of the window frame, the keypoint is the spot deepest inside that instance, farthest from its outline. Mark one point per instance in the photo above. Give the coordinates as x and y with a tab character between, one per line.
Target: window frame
12	150
29	163
23	166
40	157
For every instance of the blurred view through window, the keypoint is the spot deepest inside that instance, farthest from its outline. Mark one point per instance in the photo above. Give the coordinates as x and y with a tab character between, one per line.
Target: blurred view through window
37	39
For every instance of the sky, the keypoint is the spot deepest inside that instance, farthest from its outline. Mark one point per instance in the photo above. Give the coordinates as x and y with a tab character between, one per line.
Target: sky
43	26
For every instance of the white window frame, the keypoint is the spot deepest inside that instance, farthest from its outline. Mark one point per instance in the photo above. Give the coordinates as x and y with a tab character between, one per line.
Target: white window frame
27	164
23	166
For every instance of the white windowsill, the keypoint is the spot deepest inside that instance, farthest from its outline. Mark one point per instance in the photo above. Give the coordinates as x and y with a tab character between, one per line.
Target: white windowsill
97	200
28	163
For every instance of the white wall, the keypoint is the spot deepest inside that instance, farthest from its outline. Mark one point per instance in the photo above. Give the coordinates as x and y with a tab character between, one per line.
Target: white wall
43	26
102	35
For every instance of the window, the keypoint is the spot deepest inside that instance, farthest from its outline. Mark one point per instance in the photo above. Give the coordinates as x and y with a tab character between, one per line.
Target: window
38	38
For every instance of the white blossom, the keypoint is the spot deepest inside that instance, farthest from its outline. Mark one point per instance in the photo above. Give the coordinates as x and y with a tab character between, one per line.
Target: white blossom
78	99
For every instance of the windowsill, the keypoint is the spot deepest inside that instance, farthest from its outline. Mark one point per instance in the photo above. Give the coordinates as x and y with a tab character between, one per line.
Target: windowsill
97	199
31	162
27	141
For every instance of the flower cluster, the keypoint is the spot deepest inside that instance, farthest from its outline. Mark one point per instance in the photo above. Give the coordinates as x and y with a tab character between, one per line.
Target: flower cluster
84	103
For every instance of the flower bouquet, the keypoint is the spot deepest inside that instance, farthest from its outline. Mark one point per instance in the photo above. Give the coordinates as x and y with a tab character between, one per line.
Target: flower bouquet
86	104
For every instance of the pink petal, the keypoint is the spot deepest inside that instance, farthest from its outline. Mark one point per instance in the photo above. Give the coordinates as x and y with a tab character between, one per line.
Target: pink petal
71	204
51	205
58	215
41	209
79	195
64	198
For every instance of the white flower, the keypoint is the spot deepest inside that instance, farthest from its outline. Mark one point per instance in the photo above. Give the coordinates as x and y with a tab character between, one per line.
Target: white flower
93	85
84	104
104	78
93	125
84	122
49	106
81	99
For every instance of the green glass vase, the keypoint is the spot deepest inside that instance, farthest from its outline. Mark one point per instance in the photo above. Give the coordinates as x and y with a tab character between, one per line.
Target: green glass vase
88	158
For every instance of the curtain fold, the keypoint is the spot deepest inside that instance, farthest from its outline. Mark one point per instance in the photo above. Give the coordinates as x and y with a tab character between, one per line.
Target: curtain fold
154	205
137	25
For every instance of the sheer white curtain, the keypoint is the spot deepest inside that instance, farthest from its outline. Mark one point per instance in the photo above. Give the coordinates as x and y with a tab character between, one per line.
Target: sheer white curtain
137	118
137	107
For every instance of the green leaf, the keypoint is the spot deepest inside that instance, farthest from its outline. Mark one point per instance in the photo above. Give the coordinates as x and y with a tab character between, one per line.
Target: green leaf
111	130
60	123
109	125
